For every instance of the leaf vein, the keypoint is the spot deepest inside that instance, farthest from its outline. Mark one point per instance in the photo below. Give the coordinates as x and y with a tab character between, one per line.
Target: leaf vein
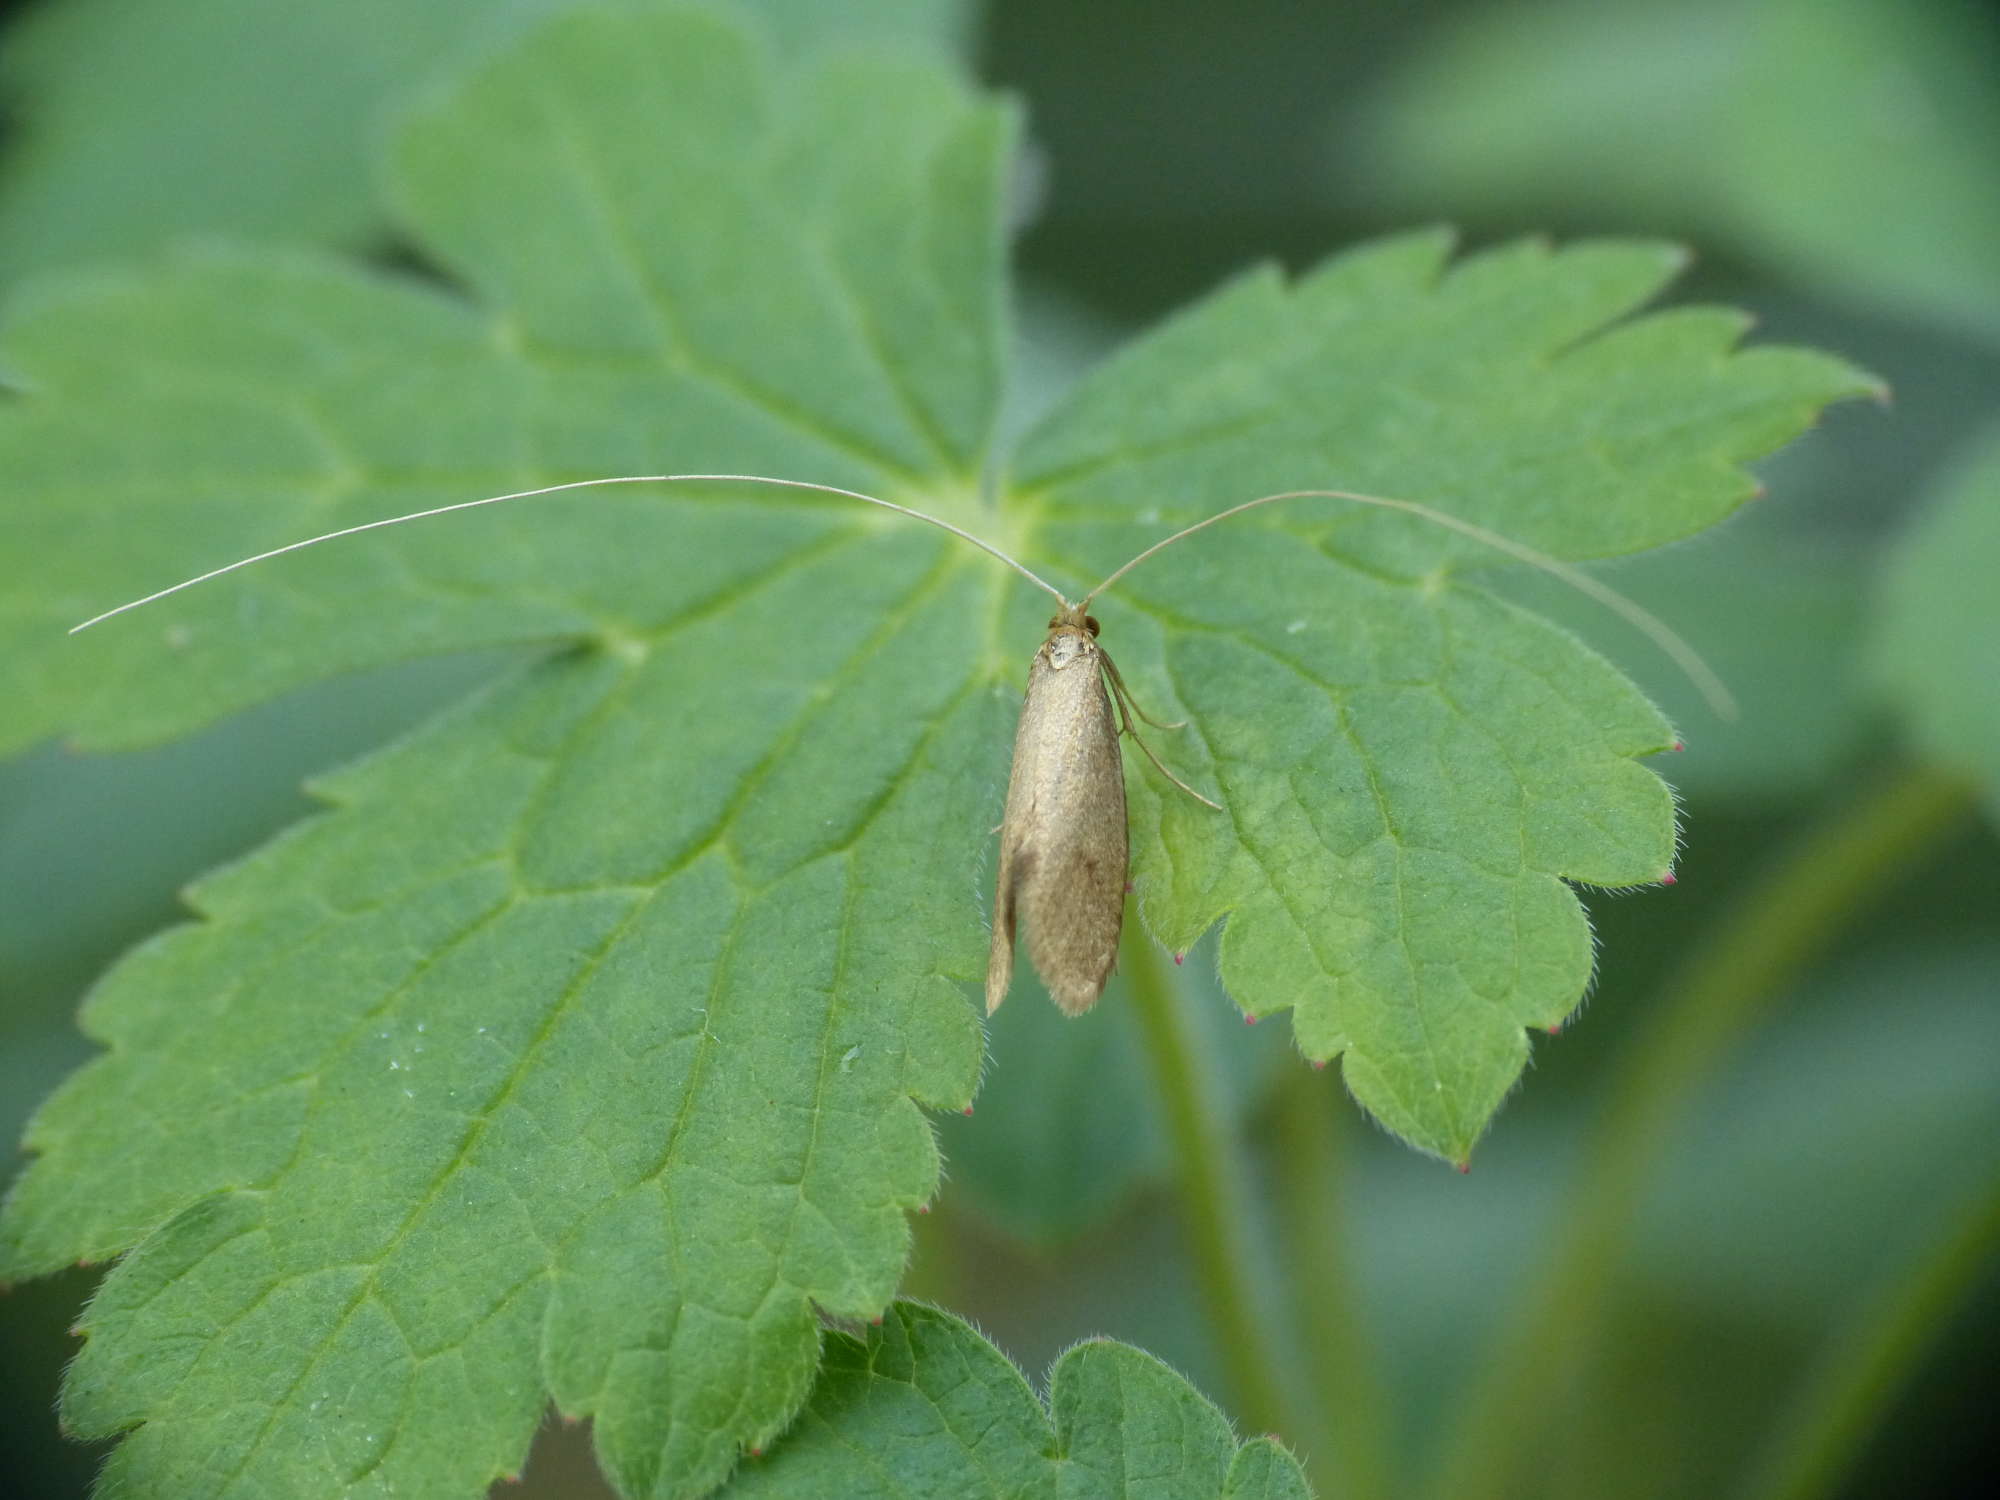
668	324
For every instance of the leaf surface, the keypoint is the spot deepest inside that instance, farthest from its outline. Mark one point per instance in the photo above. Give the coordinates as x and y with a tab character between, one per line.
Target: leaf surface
924	1406
578	1048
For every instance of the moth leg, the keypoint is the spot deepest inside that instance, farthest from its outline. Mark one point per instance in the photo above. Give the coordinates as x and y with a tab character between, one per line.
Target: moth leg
1125	696
1126	709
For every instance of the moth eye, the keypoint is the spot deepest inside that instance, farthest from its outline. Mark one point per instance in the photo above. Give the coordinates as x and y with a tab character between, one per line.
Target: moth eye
1054	620
1090	624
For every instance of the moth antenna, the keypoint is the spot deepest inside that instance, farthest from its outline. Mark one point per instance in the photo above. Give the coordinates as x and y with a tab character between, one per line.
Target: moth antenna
1720	700
581	484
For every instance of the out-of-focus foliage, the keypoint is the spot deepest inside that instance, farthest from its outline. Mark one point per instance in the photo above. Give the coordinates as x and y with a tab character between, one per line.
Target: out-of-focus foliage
139	121
1848	143
1938	653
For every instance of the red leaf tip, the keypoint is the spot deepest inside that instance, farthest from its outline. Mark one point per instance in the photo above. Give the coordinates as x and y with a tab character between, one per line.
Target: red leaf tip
1667	877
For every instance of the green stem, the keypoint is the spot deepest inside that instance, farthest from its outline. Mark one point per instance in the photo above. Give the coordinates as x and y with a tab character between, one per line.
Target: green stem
1215	1209
1881	1348
1791	916
1351	1451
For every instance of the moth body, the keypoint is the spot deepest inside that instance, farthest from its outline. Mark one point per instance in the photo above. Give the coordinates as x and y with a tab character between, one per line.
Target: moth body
1063	852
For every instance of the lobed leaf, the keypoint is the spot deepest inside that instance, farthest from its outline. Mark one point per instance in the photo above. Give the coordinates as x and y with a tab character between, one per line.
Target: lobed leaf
578	1048
924	1406
1412	768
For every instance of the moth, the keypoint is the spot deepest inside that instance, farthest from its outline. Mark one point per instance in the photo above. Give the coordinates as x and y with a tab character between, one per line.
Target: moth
1064	853
1063	848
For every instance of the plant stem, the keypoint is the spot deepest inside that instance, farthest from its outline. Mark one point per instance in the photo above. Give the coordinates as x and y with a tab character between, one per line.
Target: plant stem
1791	916
1215	1209
1841	1404
1352	1417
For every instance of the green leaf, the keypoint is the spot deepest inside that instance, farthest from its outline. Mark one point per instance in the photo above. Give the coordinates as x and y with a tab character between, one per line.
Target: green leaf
1847	141
578	1048
118	155
1933	651
1412	768
924	1406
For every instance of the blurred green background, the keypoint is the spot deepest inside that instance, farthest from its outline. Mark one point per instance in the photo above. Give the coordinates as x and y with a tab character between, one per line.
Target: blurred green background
1836	167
